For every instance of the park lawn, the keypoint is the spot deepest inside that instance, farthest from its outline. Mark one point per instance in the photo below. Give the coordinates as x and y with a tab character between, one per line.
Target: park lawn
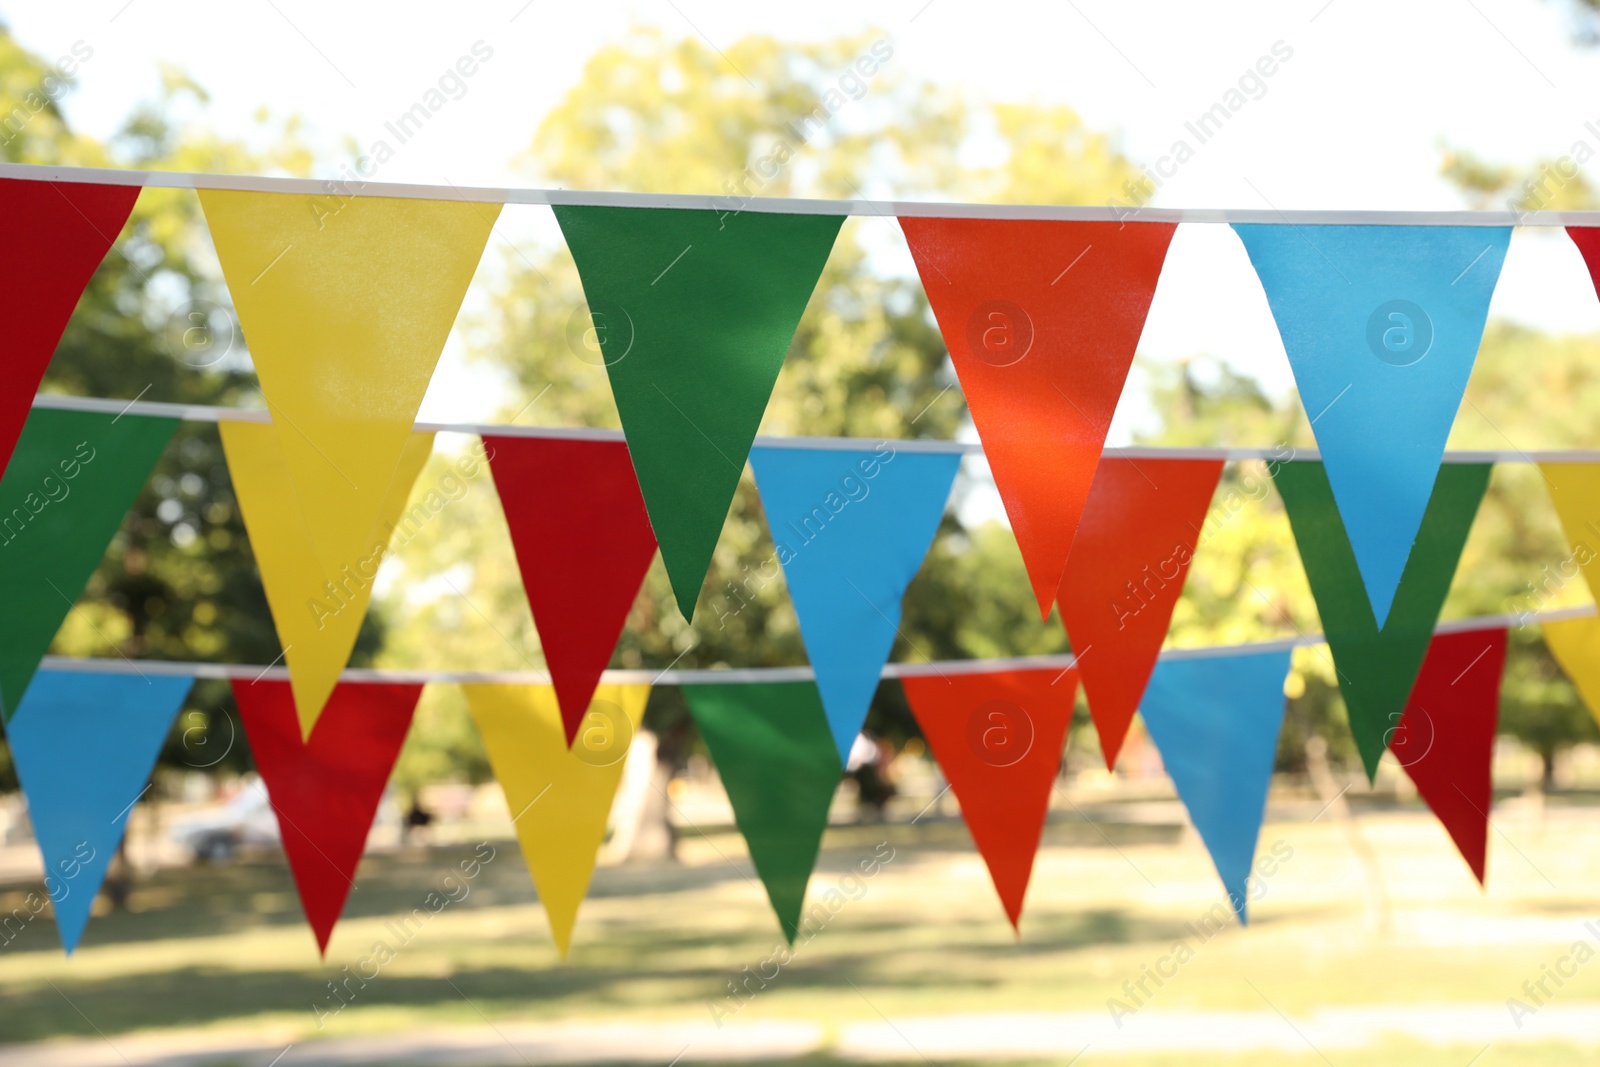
227	948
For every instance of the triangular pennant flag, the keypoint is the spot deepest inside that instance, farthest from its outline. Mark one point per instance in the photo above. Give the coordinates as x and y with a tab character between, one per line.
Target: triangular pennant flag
70	482
583	543
1574	489
317	614
1445	739
1381	324
1041	319
851	529
1575	643
694	312
1124	576
775	754
1377	665
559	797
345	304
325	790
998	739
56	235
1587	238
1215	721
83	745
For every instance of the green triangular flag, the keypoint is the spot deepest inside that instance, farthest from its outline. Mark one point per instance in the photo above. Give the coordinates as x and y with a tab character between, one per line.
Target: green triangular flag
775	753
64	494
694	312
1377	668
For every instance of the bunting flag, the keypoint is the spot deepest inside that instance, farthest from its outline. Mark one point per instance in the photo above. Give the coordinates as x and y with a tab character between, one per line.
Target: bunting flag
83	746
1381	325
583	543
317	613
1445	738
1041	319
1574	490
1215	720
774	751
325	789
1587	238
56	235
694	312
1575	643
850	530
70	482
1124	575
559	797
998	738
345	304
1377	665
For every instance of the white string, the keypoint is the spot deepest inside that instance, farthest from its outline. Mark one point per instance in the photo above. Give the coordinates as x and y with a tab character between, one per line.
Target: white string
162	179
743	675
204	413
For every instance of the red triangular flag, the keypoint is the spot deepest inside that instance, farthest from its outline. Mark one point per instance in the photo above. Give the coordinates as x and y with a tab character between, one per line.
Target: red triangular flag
1587	238
56	235
998	739
325	791
1124	575
1041	319
1445	738
583	542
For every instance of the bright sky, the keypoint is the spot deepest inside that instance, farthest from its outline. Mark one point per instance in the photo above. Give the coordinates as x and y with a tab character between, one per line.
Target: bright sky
1355	118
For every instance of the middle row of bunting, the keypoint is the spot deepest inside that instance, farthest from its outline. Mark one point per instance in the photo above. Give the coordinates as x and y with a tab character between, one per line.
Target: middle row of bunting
84	742
345	313
851	529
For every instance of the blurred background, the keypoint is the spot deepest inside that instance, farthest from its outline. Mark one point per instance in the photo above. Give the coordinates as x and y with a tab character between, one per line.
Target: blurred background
1372	944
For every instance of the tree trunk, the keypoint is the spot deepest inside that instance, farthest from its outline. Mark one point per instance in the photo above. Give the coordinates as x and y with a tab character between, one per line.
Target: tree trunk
1547	771
640	829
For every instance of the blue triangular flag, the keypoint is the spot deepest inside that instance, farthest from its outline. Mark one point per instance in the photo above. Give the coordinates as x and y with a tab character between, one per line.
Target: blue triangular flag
1215	720
1382	325
83	744
851	529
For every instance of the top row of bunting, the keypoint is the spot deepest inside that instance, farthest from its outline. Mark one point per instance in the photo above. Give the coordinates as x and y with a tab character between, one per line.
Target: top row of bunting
347	310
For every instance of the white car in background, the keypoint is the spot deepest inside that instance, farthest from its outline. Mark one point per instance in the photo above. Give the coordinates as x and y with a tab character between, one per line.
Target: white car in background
215	834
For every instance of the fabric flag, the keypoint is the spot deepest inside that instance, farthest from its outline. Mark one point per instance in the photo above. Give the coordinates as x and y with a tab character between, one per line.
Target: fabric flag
998	738
83	746
1575	643
69	484
1587	238
1041	319
773	749
1215	721
851	529
325	789
1574	489
56	235
559	797
1381	324
345	304
317	613
1124	576
694	312
1376	664
583	543
1445	739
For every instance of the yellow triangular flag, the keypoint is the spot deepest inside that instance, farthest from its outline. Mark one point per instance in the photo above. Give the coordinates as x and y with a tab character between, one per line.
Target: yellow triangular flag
559	798
317	614
345	303
1575	643
1575	491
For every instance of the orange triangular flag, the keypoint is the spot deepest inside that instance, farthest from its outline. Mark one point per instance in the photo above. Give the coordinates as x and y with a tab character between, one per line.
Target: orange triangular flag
998	739
1041	319
1124	576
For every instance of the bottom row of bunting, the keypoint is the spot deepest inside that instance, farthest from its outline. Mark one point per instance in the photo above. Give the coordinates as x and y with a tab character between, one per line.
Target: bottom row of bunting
84	745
